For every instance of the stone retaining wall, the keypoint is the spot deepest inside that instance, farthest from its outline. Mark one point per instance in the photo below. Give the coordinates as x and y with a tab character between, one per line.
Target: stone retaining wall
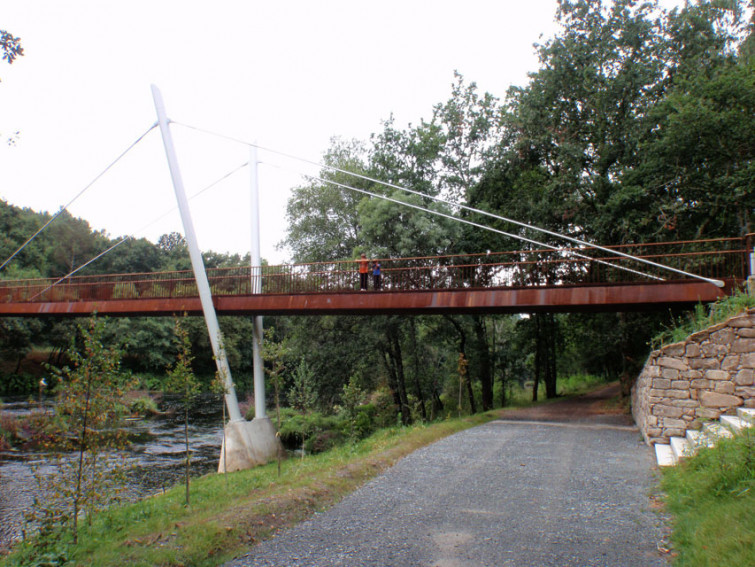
710	374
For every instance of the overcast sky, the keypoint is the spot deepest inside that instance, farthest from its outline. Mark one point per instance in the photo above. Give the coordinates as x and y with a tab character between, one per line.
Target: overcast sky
288	74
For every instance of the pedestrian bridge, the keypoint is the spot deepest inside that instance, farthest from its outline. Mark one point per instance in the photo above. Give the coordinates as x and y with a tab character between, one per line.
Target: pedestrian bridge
576	279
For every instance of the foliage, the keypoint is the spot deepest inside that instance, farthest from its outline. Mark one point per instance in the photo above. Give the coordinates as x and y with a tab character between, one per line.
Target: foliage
636	126
711	496
351	398
703	317
10	46
143	405
181	380
303	393
88	415
162	531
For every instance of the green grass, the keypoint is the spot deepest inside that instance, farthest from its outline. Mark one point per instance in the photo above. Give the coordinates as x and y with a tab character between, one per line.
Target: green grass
703	317
711	497
229	513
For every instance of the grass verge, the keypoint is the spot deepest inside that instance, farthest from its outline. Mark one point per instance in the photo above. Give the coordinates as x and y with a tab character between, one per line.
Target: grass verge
711	497
230	513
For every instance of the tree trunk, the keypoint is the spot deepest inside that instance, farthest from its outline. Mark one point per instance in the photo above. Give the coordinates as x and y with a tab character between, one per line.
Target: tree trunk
484	369
549	348
396	362
628	366
462	351
417	382
503	386
188	454
538	358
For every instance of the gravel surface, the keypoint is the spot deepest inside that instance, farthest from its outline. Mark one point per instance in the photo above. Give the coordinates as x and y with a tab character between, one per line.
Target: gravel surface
573	492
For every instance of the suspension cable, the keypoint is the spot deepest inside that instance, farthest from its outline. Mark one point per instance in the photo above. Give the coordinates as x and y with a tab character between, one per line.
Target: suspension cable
141	230
484	227
717	283
79	194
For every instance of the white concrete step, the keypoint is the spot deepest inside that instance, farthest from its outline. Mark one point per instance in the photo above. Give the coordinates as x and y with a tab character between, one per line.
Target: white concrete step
664	455
748	414
699	439
681	447
735	424
715	430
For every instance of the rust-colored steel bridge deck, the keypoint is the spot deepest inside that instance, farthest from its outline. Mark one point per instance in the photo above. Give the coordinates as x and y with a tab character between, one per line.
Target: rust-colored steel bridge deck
502	282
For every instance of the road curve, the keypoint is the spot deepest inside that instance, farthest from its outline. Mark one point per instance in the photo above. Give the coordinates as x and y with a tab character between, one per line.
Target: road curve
570	492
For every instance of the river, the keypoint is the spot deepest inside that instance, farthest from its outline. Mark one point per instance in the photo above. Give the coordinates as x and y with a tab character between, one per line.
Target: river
156	454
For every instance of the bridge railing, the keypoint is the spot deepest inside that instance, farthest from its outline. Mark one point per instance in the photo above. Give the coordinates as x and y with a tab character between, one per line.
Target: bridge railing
717	258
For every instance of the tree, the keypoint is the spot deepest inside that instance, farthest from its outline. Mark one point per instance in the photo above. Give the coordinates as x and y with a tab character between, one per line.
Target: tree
181	380
274	354
11	49
10	46
701	156
323	222
472	129
90	412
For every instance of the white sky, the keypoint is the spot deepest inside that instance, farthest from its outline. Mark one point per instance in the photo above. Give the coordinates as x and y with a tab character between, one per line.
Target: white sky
287	74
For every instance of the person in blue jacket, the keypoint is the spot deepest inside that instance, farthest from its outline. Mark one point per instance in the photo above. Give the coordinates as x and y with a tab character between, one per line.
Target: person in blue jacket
376	275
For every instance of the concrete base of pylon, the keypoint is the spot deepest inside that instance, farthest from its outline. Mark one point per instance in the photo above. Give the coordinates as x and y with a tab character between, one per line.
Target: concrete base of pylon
247	444
751	285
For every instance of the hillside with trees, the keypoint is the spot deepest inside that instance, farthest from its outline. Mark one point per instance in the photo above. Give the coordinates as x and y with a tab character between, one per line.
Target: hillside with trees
636	127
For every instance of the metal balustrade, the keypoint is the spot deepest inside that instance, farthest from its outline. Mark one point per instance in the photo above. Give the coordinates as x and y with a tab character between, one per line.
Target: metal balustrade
714	258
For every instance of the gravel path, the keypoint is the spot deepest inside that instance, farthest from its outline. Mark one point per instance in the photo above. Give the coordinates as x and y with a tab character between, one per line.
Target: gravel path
571	492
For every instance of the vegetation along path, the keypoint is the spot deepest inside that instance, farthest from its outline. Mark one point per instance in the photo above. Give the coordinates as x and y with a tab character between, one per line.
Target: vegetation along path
562	484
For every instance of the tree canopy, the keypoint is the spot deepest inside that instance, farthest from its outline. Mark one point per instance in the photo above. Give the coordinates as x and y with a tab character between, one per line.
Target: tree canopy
637	126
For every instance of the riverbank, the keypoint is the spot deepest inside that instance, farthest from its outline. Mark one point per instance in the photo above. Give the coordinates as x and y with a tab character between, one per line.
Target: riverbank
153	460
231	513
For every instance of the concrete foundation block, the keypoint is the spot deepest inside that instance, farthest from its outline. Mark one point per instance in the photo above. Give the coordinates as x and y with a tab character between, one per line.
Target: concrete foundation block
248	444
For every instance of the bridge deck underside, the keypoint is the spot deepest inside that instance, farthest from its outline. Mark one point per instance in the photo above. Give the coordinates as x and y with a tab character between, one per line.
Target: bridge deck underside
629	297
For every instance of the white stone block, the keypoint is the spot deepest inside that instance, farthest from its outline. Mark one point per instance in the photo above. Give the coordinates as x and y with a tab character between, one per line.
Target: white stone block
664	455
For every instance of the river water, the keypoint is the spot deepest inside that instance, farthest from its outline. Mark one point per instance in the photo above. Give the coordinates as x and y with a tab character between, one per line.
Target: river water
156	456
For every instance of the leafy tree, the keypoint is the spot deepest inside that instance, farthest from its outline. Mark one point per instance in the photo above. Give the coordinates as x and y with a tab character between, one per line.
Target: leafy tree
274	354
89	412
323	223
472	128
10	46
701	156
351	398
174	251
182	381
303	394
11	49
132	256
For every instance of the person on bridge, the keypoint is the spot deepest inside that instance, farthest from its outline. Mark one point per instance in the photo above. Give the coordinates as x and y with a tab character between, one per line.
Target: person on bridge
376	276
364	271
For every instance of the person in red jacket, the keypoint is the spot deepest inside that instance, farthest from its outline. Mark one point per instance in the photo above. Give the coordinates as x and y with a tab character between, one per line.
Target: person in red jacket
364	272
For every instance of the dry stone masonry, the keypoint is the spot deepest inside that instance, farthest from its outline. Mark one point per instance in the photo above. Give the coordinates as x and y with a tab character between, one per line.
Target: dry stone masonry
710	374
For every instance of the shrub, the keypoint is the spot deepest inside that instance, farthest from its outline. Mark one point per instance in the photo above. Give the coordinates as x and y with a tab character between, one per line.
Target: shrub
143	406
310	431
386	411
703	317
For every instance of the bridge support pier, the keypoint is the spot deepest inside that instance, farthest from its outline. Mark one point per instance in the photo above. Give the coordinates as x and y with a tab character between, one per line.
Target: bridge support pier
247	444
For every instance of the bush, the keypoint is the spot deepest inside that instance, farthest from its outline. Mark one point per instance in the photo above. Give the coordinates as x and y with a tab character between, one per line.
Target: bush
386	411
311	430
19	384
703	317
143	406
323	441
